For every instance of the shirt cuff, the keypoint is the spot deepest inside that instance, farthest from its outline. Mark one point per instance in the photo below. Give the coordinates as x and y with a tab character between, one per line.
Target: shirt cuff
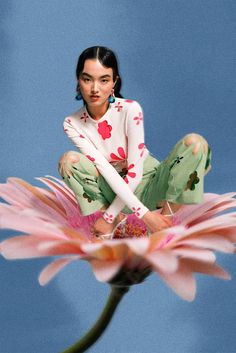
109	218
138	211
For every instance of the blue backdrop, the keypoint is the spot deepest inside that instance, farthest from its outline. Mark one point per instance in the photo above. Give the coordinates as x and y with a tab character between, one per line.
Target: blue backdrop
177	58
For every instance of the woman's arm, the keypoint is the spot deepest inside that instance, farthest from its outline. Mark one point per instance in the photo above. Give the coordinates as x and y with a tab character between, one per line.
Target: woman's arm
117	183
136	155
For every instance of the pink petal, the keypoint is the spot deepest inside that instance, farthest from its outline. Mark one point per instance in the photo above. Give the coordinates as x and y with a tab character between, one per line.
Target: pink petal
207	268
119	251
54	248
37	200
71	234
64	186
189	213
21	247
68	203
215	223
53	268
104	250
228	233
90	248
104	271
139	245
192	253
209	241
224	206
218	226
7	193
48	193
181	282
162	260
133	261
166	237
10	209
28	224
74	218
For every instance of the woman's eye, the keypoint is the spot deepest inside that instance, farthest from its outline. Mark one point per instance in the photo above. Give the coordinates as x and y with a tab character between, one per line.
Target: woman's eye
104	81
86	79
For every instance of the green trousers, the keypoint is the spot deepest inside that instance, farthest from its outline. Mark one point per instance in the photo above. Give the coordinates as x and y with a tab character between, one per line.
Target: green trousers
179	179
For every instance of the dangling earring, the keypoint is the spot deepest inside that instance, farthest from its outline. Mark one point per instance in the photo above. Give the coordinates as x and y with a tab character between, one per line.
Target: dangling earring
111	98
78	97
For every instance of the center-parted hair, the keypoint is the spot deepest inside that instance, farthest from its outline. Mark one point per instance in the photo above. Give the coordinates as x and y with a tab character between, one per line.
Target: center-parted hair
107	58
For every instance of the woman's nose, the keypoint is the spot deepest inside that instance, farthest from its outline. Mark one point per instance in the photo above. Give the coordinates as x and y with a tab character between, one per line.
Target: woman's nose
95	87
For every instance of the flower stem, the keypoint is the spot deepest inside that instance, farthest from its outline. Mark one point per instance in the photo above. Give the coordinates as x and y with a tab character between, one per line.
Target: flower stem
99	327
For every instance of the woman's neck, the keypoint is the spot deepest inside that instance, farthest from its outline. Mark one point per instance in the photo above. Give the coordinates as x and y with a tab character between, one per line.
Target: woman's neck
97	112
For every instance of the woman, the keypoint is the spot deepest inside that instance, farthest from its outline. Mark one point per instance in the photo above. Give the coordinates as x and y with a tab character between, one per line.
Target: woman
115	172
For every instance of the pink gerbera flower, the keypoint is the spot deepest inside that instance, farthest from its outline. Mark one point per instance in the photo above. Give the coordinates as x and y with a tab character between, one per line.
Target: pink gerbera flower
53	225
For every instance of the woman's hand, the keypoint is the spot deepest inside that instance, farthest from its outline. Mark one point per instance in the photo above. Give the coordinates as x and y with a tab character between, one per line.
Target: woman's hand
102	227
156	221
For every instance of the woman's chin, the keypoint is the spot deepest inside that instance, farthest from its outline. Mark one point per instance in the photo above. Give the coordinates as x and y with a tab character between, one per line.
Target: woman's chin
96	103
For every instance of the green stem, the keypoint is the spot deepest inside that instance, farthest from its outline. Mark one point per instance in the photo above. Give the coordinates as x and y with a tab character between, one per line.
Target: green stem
99	327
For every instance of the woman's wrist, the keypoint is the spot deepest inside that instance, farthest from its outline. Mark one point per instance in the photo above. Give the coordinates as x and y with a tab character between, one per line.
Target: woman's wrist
146	215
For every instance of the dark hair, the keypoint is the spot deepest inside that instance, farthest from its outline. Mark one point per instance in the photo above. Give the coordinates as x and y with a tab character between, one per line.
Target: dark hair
107	58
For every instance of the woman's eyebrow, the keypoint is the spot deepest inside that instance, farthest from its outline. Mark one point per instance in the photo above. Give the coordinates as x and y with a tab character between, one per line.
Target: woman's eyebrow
105	76
86	74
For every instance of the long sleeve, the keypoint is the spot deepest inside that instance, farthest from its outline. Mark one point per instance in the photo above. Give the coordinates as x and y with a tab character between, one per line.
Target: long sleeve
117	183
135	158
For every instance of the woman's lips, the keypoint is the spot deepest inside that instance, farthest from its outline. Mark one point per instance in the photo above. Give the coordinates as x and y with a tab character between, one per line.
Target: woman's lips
94	97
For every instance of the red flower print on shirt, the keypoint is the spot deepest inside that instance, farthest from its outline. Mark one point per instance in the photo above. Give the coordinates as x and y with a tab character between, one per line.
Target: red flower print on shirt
91	158
85	117
130	174
121	153
80	135
141	146
136	211
129	100
104	129
138	118
119	107
108	217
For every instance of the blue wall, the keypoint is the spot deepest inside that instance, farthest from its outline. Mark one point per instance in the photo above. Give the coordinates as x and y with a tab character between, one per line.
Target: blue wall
177	58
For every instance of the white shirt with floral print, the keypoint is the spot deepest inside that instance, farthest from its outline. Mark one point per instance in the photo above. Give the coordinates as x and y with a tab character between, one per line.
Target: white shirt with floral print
114	140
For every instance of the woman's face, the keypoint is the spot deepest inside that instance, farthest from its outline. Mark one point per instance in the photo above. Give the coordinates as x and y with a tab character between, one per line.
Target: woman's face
96	82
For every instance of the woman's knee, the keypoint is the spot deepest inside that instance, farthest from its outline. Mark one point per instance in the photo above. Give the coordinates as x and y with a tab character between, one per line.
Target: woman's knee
68	159
196	139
